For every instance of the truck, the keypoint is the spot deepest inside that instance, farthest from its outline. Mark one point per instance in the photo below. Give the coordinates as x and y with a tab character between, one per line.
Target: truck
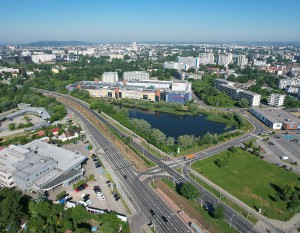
189	157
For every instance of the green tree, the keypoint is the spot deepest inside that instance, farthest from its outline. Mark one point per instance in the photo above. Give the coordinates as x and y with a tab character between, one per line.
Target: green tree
218	212
186	141
288	190
189	191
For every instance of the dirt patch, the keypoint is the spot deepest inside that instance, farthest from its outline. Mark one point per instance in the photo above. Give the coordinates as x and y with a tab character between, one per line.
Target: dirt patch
188	209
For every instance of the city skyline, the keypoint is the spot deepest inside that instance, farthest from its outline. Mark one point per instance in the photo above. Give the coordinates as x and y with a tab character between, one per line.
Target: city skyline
175	21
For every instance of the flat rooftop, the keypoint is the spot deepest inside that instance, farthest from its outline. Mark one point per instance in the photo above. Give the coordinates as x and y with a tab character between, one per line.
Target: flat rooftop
277	115
66	158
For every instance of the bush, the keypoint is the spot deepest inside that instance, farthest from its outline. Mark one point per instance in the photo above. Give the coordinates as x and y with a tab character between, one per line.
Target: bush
91	177
189	191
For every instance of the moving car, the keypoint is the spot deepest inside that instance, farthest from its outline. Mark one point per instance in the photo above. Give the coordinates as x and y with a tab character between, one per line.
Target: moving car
152	212
164	218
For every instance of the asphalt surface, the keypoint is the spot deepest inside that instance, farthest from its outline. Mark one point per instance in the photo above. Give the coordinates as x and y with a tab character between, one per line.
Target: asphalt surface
142	194
145	195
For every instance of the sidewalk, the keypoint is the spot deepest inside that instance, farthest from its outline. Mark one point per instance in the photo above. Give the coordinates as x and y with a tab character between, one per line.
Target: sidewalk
264	223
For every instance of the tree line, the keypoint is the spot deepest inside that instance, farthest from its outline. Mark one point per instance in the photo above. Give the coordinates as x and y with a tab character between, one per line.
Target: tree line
42	216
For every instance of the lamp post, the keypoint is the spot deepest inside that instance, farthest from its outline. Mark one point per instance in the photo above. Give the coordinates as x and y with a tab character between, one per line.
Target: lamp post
231	220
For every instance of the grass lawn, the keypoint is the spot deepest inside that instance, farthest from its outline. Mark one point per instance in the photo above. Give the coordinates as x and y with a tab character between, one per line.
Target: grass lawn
248	178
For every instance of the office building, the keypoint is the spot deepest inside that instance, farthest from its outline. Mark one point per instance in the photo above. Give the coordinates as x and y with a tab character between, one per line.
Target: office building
276	118
206	58
225	59
110	77
242	60
39	166
276	100
136	75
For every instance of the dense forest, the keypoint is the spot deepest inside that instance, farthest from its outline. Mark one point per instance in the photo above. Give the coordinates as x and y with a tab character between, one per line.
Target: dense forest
42	216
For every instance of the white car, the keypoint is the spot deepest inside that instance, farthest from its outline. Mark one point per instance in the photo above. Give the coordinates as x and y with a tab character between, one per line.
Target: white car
102	199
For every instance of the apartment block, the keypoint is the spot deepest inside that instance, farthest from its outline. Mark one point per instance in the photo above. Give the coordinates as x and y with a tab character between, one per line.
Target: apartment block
276	100
236	93
206	58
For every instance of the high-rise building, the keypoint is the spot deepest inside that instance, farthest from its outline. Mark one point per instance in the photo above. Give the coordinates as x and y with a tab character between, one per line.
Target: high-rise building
134	46
276	100
110	77
225	59
189	62
136	75
206	58
242	60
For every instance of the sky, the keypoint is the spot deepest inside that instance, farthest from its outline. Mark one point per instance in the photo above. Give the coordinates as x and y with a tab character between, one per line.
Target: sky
23	21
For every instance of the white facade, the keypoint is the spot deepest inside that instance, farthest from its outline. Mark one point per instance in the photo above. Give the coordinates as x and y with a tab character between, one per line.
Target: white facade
283	83
236	93
190	62
175	65
259	63
134	46
242	60
9	70
206	58
225	59
276	100
110	77
136	75
40	58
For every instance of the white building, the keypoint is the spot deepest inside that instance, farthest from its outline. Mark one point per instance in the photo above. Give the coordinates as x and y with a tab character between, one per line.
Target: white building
206	58
276	100
237	93
259	63
292	89
175	65
190	62
40	58
39	165
110	77
134	46
242	60
283	83
136	75
225	59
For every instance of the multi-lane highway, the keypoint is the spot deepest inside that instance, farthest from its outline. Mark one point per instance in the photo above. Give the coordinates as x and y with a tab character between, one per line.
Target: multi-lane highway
141	193
145	195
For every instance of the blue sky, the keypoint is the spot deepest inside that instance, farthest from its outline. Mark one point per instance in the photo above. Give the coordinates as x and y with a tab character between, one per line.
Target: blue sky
149	20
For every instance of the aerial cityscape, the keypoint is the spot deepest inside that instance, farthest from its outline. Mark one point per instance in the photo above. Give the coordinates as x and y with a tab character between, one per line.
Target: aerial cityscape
150	116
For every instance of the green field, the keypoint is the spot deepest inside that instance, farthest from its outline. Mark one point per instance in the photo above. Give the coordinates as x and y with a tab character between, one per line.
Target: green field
248	178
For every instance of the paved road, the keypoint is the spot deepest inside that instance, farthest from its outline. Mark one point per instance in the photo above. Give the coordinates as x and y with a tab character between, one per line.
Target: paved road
148	200
141	193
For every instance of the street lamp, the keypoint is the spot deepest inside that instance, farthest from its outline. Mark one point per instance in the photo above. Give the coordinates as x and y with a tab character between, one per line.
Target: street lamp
231	220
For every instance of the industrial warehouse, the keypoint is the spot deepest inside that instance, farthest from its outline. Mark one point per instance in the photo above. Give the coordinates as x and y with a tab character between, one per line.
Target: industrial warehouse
39	166
178	91
276	118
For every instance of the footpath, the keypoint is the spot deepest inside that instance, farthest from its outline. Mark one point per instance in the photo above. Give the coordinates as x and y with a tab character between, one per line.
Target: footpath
264	224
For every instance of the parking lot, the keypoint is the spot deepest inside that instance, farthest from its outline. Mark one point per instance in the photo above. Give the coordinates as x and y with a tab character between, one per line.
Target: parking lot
101	180
282	149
